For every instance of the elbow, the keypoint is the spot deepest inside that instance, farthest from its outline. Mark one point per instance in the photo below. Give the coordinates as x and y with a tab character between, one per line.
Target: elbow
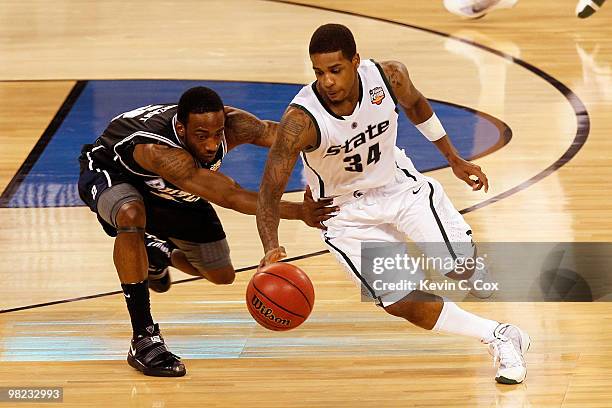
231	200
270	133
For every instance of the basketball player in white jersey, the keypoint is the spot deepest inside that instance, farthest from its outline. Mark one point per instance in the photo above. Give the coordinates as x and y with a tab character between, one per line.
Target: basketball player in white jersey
344	127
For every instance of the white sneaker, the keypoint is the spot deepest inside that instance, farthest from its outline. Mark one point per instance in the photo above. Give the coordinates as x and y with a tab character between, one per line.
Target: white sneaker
586	8
508	348
476	8
480	279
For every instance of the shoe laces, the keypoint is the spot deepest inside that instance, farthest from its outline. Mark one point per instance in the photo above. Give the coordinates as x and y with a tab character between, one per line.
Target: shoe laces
481	274
504	353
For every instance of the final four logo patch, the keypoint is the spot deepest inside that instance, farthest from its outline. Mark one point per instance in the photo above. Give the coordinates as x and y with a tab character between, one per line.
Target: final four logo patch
377	95
215	166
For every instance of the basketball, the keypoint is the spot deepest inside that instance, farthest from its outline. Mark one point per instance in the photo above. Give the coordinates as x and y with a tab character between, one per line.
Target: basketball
280	296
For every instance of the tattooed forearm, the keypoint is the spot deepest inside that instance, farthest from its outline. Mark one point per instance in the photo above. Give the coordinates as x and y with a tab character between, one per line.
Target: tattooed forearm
278	169
293	135
268	219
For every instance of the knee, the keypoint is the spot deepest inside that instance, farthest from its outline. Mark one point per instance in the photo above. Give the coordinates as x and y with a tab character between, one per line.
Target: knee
403	309
224	276
410	311
227	279
419	308
131	214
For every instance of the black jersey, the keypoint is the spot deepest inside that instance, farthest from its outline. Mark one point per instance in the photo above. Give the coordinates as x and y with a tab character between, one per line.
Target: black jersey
152	124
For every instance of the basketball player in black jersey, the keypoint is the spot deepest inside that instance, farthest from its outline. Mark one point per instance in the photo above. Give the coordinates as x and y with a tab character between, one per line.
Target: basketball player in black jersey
154	169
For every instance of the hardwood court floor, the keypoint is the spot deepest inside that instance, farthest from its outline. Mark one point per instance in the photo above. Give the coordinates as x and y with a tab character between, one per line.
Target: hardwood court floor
349	353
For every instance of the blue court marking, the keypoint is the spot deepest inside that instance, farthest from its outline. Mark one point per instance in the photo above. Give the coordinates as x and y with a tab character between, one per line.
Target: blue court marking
52	180
65	340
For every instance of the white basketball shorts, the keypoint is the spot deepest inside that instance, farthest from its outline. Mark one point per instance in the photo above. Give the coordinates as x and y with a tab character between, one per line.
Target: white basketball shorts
412	206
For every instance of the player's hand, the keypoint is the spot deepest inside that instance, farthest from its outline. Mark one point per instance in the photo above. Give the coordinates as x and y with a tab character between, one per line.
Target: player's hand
273	255
315	212
471	174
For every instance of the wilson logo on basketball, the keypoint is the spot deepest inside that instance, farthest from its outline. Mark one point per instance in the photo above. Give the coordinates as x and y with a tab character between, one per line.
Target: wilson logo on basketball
377	95
267	312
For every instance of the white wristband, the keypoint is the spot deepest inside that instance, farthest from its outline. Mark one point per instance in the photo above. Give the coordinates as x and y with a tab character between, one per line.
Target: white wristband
432	129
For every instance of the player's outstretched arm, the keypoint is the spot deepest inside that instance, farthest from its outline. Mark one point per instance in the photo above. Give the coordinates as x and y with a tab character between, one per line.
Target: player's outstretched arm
179	168
296	131
242	127
420	113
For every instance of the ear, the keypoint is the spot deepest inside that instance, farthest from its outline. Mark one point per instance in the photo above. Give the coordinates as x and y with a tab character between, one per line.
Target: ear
356	60
180	129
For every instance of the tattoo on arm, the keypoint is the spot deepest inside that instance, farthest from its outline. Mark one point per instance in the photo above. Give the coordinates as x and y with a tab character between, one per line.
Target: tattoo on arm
414	104
174	165
394	76
243	127
292	127
281	160
398	78
270	132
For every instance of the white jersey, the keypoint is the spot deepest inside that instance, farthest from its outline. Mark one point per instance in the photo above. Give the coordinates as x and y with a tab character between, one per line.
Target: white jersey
355	152
380	195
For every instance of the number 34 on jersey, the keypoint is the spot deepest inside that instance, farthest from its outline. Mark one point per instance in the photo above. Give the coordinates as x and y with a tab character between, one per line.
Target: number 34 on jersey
354	162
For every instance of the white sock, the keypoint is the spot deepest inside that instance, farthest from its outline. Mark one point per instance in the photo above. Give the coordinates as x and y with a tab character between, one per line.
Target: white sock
455	320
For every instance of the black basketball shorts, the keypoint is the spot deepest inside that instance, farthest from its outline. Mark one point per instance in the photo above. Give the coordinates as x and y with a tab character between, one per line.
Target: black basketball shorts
197	222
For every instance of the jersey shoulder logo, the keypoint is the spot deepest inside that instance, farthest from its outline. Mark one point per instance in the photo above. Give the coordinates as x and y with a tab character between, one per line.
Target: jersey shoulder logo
215	166
377	95
157	183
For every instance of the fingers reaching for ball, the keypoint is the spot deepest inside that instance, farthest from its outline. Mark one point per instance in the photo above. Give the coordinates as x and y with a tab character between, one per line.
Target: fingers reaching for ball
273	255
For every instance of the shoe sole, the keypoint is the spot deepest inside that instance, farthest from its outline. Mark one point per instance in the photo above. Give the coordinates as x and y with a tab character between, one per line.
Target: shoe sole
508	381
153	372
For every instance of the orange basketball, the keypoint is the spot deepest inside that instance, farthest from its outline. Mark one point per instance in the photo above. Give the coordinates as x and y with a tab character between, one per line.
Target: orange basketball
280	296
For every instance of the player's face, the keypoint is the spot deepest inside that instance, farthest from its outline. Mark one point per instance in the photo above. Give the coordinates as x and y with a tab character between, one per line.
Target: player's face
203	134
335	74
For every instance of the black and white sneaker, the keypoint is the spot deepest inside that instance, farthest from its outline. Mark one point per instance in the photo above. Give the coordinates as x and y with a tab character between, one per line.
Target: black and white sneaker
149	354
586	8
159	253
